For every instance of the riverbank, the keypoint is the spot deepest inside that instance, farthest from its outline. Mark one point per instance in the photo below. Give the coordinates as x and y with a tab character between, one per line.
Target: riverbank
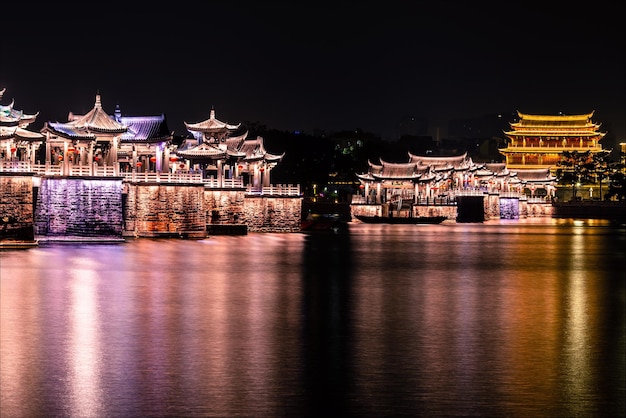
591	209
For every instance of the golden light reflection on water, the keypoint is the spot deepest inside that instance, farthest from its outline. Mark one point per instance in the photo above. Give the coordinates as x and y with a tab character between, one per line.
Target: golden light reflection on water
20	354
85	351
486	320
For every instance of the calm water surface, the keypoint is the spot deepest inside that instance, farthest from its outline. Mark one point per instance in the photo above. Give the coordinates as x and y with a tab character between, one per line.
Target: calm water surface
501	319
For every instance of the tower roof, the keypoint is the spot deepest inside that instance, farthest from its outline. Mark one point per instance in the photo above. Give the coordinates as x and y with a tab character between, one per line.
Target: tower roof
211	125
96	120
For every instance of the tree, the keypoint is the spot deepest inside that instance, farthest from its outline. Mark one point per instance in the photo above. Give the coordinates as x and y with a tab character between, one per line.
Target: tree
617	181
576	168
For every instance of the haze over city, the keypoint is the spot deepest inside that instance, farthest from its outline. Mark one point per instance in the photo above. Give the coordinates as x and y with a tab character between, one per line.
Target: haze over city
323	67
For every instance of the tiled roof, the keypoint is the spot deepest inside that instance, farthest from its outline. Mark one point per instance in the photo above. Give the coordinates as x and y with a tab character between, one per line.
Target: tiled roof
27	135
67	130
420	169
145	129
255	150
204	150
535	175
554	125
211	125
96	120
9	115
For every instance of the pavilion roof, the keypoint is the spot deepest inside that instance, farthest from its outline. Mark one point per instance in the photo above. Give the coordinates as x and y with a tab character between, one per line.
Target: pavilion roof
535	175
26	135
254	150
211	125
581	118
555	125
499	170
204	151
13	123
10	116
88	126
444	163
96	120
68	131
147	129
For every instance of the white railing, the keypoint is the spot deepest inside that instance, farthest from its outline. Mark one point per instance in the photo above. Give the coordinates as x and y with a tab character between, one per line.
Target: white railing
15	166
276	190
151	177
227	183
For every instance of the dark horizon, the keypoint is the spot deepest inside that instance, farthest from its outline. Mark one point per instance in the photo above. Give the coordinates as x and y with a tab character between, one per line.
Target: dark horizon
316	68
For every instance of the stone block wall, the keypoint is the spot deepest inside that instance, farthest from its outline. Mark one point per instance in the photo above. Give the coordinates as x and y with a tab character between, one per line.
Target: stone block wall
16	206
75	206
448	211
164	210
225	206
273	214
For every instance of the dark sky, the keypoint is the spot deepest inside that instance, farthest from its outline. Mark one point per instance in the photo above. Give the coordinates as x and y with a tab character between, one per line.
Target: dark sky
306	65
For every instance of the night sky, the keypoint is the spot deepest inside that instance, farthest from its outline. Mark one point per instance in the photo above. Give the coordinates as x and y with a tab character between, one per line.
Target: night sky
301	66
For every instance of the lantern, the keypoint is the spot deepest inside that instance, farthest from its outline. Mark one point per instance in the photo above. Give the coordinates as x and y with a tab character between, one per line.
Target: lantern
13	149
262	169
182	166
71	149
60	158
361	187
139	164
96	158
240	167
153	159
173	159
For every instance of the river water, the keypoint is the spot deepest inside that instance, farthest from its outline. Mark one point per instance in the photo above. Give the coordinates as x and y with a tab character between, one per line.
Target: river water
501	319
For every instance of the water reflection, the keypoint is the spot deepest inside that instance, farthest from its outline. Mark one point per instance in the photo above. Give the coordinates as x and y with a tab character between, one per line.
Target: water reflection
493	319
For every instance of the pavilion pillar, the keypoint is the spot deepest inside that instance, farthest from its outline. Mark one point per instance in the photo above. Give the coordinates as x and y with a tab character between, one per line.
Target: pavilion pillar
116	166
90	159
266	177
159	158
48	151
220	173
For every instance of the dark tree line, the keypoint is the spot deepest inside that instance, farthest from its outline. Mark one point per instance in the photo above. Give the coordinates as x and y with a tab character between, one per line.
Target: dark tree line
586	168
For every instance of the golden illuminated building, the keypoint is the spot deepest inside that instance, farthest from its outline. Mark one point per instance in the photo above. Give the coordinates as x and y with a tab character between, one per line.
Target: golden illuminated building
537	141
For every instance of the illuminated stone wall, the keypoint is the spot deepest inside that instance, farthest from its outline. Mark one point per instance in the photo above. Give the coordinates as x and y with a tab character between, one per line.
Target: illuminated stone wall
16	206
75	206
273	214
448	211
225	206
164	210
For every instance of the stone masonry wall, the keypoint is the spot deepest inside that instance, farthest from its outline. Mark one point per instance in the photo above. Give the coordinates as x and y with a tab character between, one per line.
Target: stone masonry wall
16	207
273	214
225	206
164	210
74	206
